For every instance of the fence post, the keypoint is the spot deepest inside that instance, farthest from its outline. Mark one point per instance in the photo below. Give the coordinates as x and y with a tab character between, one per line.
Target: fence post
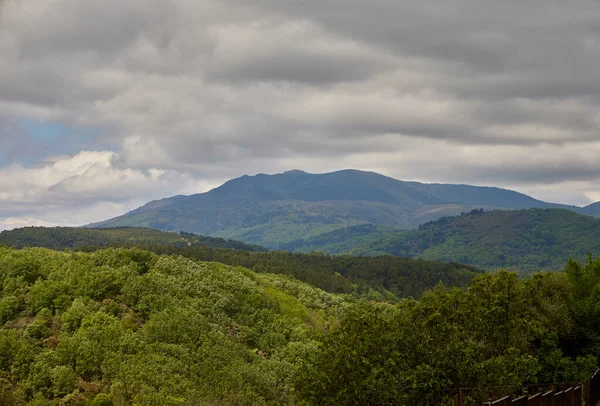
569	397
522	401
535	400
595	389
548	398
578	395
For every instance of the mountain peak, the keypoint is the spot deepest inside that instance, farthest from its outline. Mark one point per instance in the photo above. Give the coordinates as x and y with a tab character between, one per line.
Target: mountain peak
270	210
294	171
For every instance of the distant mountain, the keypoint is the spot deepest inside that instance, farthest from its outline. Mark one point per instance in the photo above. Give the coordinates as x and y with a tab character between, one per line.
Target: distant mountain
524	240
275	210
592	210
61	238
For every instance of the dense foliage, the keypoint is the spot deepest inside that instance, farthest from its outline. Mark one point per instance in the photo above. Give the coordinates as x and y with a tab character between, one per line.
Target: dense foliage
378	277
345	240
375	277
523	240
61	238
501	331
125	326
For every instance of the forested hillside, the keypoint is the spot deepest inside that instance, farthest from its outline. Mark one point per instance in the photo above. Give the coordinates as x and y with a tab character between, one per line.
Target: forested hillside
375	277
382	276
276	210
523	240
347	240
128	327
61	238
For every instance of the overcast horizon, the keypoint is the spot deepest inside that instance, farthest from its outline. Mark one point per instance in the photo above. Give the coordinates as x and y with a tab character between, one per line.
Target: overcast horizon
106	105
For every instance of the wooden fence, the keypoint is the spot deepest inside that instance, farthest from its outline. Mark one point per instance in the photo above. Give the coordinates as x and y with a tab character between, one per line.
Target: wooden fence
586	393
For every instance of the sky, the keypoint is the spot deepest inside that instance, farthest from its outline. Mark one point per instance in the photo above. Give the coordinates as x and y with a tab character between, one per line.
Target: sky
108	104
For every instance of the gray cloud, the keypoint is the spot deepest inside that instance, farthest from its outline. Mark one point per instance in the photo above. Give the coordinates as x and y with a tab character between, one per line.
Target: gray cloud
504	93
300	52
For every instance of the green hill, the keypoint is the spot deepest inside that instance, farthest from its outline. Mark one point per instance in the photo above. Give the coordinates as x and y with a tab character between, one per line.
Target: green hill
524	240
61	238
275	210
128	327
377	277
383	276
344	240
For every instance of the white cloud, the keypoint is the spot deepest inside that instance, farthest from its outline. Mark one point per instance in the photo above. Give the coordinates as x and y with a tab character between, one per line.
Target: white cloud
86	187
18	222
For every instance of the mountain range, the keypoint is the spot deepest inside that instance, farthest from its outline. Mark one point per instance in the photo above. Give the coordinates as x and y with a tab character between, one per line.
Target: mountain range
277	210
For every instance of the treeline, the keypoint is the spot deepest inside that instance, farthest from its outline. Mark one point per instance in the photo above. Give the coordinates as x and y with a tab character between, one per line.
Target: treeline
376	277
196	240
373	277
61	238
128	327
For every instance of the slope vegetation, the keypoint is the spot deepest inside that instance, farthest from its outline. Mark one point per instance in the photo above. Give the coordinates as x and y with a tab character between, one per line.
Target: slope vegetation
376	277
523	240
61	238
128	327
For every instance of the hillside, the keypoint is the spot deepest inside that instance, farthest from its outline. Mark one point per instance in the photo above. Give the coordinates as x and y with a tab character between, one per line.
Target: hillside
381	277
378	277
274	210
524	240
344	240
128	327
61	238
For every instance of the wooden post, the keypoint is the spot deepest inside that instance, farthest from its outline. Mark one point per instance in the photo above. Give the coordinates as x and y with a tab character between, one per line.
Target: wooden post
548	398
559	398
535	400
569	397
595	389
578	396
522	401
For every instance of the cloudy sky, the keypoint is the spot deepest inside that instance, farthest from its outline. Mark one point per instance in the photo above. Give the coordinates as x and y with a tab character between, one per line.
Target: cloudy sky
106	104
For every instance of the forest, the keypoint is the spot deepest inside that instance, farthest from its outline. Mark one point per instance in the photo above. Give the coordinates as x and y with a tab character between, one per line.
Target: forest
376	277
520	240
61	238
130	327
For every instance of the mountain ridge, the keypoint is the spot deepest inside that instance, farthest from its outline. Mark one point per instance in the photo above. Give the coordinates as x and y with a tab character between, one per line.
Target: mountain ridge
592	209
271	210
